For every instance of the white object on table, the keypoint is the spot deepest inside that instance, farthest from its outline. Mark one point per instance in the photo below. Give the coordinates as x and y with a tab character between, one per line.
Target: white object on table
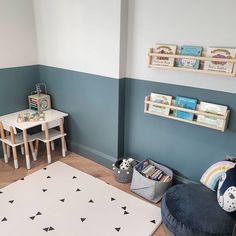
11	119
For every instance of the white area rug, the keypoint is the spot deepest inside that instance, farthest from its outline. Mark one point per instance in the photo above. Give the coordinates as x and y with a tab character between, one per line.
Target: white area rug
62	201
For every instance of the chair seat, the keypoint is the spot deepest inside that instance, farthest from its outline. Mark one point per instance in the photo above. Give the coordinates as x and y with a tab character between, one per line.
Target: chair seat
193	210
18	140
53	135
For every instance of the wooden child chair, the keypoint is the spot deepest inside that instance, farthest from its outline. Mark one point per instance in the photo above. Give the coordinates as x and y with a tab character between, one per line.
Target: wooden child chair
49	134
10	138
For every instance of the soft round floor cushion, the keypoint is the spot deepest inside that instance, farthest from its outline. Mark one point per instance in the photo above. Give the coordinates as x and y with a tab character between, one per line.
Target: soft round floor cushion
193	210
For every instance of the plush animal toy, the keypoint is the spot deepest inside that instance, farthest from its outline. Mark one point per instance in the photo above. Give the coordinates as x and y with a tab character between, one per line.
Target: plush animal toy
226	193
126	164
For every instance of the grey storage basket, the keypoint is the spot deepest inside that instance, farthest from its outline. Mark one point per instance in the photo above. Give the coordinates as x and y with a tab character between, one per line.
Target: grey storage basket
151	190
122	176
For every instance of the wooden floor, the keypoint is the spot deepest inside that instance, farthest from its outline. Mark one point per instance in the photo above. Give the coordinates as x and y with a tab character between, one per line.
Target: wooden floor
9	175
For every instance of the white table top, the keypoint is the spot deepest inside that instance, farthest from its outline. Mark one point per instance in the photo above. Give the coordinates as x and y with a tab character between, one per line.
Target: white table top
50	115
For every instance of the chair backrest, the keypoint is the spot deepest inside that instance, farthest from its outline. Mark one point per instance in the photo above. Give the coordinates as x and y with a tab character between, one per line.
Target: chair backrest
52	124
7	127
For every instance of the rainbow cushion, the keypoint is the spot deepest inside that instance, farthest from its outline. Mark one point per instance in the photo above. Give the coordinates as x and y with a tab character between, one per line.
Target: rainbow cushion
213	173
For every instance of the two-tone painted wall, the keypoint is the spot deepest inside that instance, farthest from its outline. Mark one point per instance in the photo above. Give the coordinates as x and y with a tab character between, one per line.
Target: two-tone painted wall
188	149
18	57
93	57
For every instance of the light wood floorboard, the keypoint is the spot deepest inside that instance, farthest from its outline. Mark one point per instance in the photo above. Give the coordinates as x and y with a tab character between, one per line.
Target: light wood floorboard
8	174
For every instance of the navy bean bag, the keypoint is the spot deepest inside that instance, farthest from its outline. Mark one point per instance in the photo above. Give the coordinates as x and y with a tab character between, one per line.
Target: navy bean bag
193	210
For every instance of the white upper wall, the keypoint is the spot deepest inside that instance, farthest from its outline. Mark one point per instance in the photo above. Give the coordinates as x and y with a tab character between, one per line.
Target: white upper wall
81	35
204	23
91	36
17	33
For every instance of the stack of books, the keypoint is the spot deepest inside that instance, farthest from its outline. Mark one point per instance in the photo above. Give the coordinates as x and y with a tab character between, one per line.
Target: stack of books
154	173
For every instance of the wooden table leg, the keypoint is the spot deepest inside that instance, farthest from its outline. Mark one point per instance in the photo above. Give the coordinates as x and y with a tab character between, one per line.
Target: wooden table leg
13	141
4	147
62	138
47	143
27	157
33	151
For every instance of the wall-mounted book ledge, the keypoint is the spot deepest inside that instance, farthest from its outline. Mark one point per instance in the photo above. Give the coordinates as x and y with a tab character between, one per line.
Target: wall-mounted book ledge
200	118
206	62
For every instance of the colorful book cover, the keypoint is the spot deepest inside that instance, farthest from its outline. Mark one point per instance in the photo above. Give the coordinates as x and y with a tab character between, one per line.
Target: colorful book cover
160	98
188	103
164	49
227	53
189	51
213	109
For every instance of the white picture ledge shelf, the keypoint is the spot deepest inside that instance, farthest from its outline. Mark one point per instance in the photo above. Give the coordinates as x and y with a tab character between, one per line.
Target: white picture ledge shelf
152	54
196	112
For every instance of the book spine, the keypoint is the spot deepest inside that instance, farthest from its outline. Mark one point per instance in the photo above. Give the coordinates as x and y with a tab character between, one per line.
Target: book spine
157	173
145	170
150	171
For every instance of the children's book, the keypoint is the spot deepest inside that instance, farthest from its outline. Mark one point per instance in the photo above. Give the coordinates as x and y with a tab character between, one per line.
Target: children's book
227	53
164	49
213	109
160	98
189	51
188	103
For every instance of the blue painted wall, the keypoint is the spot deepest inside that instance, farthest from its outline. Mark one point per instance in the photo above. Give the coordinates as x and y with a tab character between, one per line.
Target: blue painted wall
107	119
94	108
15	86
186	148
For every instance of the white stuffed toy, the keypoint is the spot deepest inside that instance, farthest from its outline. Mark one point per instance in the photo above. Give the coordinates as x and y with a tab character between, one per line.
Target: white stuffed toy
126	164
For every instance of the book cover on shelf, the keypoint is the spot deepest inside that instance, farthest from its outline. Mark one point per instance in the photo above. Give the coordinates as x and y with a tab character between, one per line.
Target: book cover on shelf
188	103
226	53
213	109
189	51
160	98
164	49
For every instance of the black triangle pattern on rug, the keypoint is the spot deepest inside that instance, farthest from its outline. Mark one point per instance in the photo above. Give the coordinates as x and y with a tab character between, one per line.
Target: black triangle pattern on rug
153	221
4	219
11	201
44	190
124	208
62	200
44	168
49	177
74	177
91	201
37	214
126	213
50	228
82	219
77	190
1	192
113	199
118	229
